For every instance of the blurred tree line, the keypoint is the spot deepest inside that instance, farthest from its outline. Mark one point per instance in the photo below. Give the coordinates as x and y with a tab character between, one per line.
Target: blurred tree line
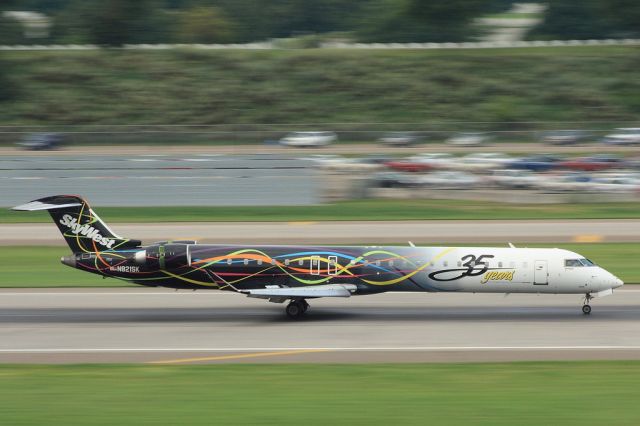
116	22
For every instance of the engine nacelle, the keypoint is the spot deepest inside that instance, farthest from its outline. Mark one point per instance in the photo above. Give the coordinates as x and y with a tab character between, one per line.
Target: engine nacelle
164	256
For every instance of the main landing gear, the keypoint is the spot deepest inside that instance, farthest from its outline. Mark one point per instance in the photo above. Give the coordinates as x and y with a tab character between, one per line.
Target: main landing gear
586	308
296	308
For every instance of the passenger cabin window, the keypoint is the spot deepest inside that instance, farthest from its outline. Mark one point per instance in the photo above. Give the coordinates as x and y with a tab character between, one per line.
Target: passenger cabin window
445	263
286	262
499	264
229	261
259	261
572	263
300	262
246	261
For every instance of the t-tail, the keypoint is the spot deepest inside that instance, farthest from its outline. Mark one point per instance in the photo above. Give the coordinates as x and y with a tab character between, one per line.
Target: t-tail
81	227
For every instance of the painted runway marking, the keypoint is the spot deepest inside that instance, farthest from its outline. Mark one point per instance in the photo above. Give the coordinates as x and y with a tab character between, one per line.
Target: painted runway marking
238	356
327	349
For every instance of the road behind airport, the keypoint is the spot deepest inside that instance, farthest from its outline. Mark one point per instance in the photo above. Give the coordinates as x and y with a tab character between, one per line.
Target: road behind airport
150	325
361	232
161	180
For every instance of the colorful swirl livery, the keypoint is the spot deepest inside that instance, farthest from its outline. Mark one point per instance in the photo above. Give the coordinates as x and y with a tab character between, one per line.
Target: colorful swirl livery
297	273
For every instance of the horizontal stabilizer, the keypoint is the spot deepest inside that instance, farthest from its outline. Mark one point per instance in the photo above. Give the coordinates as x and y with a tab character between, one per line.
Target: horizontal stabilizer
329	290
38	205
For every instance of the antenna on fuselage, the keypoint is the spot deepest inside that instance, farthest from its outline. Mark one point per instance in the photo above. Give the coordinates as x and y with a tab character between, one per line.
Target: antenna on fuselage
511	245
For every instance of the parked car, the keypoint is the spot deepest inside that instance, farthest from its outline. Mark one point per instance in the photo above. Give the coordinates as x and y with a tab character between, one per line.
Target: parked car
393	180
571	181
422	162
565	137
623	136
408	166
536	163
483	161
41	141
468	139
593	163
308	139
509	178
449	179
399	139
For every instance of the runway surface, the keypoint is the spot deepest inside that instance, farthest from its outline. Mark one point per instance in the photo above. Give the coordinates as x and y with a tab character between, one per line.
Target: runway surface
151	179
162	326
360	232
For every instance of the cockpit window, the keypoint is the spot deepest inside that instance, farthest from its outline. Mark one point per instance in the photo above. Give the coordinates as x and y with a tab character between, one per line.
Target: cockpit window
571	263
587	262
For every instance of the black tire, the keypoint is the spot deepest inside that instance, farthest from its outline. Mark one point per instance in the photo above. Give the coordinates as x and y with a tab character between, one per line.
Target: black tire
295	310
586	309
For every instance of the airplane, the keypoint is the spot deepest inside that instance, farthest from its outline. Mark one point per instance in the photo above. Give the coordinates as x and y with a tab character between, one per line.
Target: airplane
281	273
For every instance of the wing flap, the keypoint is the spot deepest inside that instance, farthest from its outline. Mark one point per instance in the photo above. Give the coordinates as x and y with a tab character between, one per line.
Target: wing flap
283	293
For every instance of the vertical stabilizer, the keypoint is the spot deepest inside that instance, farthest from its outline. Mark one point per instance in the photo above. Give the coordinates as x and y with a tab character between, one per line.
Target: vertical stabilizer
80	226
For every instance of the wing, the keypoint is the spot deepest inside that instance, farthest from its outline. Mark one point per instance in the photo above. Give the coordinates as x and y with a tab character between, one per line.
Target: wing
280	294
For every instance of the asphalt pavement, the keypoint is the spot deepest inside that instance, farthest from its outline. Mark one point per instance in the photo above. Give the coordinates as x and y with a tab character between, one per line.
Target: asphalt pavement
164	326
153	179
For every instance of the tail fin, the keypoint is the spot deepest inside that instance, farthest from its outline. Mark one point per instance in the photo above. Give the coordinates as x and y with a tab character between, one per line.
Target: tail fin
81	227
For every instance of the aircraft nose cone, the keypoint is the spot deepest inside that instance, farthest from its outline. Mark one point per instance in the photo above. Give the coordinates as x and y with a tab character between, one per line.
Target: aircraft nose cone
618	283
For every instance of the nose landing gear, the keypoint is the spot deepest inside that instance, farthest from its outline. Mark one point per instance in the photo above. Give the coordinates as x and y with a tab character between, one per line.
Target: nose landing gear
586	308
296	308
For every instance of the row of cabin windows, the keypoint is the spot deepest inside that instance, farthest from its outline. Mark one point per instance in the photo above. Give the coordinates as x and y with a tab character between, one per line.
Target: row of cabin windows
390	263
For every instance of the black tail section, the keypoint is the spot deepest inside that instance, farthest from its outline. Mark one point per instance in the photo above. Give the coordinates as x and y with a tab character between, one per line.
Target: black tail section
81	227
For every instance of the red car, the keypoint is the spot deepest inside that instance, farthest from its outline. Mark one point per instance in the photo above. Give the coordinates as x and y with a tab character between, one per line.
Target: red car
591	164
408	166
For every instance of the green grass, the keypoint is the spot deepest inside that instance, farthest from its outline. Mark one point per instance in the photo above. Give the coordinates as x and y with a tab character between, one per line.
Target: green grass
187	86
41	267
354	210
549	393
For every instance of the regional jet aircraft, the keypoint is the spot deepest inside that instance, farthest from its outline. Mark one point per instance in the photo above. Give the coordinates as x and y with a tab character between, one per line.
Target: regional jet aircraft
295	274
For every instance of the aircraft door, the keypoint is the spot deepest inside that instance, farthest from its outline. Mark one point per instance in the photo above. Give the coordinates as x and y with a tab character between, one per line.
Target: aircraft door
332	266
314	266
541	273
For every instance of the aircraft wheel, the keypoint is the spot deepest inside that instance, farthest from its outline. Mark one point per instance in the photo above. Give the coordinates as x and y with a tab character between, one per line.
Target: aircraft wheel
295	309
586	309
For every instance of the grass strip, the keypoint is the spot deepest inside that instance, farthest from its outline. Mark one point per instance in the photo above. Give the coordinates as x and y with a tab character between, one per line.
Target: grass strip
376	209
534	393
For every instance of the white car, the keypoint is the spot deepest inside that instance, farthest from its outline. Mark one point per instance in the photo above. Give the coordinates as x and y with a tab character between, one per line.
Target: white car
304	139
438	160
467	139
448	179
623	136
484	161
509	178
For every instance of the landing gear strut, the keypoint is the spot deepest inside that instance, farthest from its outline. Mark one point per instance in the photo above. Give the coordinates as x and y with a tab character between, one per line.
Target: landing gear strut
586	308
296	308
